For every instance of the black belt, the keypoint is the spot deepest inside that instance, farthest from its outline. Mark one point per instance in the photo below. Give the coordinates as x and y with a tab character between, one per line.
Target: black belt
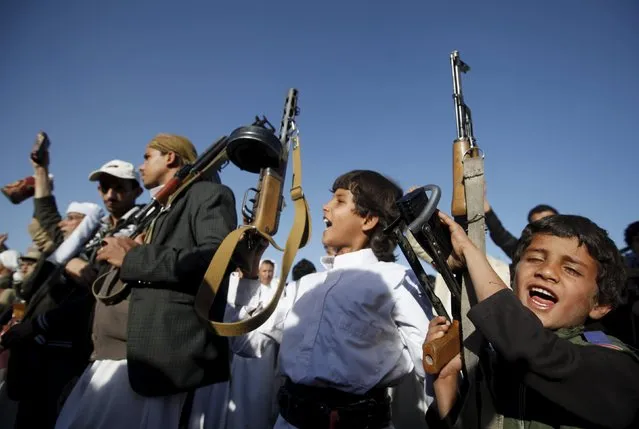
308	407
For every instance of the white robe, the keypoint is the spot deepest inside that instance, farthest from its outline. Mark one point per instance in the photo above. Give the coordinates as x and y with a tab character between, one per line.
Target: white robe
255	377
103	399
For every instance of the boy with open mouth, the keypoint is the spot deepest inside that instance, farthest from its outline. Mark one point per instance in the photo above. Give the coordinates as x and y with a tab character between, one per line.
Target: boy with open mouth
355	329
544	370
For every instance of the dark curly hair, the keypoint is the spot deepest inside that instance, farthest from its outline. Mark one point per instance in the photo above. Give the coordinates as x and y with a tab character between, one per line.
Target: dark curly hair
374	195
611	273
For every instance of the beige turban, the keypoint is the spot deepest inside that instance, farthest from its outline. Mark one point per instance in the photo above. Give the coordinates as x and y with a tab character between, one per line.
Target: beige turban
181	146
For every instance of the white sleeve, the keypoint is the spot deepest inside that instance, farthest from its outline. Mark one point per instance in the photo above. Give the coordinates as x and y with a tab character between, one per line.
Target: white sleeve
412	320
412	314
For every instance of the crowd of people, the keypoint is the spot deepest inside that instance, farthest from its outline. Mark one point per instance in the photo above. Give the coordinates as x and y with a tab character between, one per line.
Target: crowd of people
99	328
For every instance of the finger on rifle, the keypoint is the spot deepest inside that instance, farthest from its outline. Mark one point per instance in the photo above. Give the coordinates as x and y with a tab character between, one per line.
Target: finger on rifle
436	332
438	320
446	219
452	368
449	222
108	240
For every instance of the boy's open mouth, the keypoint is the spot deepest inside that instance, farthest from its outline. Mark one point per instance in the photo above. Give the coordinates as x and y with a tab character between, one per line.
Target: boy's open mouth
542	298
327	223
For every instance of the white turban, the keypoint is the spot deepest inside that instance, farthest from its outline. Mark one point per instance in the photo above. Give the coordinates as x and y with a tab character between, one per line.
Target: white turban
75	242
87	209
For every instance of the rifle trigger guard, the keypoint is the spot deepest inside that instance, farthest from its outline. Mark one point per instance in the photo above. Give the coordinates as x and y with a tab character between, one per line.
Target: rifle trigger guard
469	151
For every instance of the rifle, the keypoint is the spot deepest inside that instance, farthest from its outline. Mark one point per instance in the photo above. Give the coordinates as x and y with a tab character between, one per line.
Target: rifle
107	287
418	213
465	143
261	220
468	209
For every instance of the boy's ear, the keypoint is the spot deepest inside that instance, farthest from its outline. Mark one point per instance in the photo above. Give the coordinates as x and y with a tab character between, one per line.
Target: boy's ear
369	223
599	311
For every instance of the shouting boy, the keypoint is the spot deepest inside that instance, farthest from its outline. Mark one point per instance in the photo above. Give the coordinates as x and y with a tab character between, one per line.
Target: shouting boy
356	329
545	371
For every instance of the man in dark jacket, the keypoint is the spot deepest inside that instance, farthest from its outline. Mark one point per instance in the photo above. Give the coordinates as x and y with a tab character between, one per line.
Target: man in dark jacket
157	359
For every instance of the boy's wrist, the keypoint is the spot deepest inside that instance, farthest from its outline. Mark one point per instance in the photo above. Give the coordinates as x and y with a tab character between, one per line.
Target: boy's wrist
469	250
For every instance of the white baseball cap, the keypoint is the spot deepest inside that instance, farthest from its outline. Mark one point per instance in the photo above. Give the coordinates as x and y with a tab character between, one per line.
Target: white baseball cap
116	168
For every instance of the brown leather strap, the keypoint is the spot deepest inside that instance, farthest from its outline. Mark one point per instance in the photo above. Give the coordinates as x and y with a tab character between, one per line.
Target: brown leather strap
299	235
108	288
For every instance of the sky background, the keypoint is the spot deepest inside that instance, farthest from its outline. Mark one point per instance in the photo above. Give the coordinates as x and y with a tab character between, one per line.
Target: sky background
552	88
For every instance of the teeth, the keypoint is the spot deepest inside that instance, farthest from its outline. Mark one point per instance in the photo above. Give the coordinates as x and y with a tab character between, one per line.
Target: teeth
543	292
327	222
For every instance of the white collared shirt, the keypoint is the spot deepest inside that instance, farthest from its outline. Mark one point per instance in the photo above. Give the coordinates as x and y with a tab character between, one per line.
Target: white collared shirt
353	327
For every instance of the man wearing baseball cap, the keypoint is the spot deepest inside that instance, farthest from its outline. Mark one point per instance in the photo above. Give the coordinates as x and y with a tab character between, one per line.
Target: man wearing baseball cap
119	187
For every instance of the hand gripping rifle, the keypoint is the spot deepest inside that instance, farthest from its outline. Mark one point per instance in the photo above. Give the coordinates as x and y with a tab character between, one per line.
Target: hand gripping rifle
418	213
107	287
262	218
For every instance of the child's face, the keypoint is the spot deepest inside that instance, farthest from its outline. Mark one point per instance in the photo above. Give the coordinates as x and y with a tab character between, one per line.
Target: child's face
345	229
557	280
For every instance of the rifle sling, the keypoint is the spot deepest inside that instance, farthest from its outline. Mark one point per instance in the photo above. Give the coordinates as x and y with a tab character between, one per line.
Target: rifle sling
480	410
298	237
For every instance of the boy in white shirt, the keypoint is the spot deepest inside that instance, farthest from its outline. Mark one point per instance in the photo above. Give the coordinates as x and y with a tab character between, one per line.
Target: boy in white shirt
356	329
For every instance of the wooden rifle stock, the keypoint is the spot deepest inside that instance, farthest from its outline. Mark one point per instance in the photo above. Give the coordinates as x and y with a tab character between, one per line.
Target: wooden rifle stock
440	351
268	203
265	214
461	149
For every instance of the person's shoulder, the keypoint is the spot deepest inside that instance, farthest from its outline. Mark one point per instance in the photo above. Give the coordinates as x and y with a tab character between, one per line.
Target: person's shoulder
599	338
206	189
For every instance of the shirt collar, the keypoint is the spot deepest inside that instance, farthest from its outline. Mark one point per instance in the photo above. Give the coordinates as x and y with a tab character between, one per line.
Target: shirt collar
155	190
327	261
106	220
353	259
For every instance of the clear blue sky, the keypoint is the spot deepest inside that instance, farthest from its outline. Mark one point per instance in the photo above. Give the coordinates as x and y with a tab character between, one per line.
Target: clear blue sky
553	90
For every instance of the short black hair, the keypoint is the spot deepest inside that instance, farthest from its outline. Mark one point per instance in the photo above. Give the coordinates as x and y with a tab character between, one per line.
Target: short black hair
631	231
374	195
302	268
269	262
539	209
611	272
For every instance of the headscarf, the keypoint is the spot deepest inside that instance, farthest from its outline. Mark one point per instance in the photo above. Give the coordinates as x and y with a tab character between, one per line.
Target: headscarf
80	235
181	146
87	209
